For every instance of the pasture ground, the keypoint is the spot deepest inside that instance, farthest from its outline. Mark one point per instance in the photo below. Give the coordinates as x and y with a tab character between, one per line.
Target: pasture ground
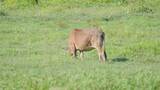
33	42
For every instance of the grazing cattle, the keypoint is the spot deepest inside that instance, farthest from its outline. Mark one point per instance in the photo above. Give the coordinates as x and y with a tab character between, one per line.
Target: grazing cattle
85	40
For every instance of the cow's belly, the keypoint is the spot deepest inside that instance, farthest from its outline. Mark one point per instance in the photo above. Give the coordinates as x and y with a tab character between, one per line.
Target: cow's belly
84	45
85	48
88	49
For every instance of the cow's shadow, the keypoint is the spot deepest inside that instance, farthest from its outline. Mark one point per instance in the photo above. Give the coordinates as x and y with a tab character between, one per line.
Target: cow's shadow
120	59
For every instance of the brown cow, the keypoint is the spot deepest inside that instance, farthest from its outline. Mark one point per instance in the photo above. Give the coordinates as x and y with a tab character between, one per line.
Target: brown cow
87	39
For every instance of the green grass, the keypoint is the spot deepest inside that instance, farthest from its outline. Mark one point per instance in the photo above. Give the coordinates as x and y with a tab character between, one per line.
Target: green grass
33	42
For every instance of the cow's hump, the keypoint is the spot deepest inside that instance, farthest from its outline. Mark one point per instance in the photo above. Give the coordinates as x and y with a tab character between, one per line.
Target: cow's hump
77	30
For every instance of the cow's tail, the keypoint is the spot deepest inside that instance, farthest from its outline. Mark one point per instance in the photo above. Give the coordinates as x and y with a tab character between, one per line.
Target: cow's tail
102	43
102	39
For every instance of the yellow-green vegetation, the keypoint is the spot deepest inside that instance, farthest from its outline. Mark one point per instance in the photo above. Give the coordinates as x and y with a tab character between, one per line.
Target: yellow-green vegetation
33	38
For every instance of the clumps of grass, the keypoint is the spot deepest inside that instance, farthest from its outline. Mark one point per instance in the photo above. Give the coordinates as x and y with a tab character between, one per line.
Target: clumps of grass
93	22
62	24
2	13
19	4
114	17
144	49
142	6
145	9
142	9
66	3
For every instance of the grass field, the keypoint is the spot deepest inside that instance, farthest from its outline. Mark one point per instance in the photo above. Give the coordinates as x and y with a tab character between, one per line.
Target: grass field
33	42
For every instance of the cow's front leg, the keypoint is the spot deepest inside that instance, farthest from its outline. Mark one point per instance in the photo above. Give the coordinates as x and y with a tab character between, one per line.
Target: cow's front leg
81	55
74	53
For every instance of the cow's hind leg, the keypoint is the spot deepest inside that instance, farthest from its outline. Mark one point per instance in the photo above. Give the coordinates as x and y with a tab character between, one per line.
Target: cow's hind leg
102	54
105	55
100	47
99	53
